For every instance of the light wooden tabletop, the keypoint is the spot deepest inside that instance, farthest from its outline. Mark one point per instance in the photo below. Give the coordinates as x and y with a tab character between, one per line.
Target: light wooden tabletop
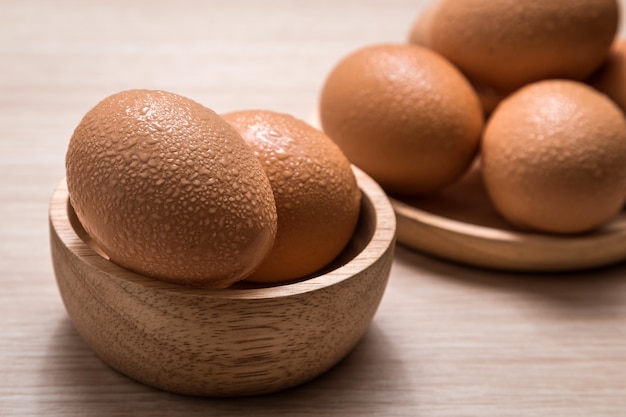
447	340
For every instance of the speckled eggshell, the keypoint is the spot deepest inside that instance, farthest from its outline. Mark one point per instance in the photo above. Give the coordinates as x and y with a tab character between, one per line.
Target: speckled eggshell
404	115
506	44
317	196
554	157
168	189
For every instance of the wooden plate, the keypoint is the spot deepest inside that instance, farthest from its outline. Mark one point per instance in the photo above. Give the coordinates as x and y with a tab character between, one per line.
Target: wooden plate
460	224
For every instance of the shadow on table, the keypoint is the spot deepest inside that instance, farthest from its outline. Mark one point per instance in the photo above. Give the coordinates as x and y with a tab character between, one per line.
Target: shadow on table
74	380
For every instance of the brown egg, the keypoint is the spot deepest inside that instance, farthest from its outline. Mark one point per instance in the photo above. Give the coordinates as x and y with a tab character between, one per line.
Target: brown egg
420	35
505	44
554	157
489	97
168	189
316	193
611	77
404	115
420	30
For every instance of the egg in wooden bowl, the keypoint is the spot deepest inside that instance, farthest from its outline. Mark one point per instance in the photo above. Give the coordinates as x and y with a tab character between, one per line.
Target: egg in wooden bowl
244	338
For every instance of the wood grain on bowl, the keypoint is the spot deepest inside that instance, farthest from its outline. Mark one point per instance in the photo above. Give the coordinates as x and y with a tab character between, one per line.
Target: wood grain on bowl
228	342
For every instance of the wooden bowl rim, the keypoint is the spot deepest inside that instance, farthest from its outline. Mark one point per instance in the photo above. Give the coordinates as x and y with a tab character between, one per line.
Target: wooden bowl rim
383	237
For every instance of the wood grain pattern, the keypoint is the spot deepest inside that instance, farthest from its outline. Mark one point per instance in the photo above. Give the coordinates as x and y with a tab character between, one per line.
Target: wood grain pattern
230	342
446	341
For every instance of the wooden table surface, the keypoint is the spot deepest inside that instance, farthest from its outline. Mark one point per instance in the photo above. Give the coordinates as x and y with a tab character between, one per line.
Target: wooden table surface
447	340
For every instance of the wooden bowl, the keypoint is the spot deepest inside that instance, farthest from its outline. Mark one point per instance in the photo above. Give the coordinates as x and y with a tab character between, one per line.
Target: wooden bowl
228	342
460	224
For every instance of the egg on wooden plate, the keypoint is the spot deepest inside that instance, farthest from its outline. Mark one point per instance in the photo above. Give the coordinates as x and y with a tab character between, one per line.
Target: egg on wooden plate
403	114
554	157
